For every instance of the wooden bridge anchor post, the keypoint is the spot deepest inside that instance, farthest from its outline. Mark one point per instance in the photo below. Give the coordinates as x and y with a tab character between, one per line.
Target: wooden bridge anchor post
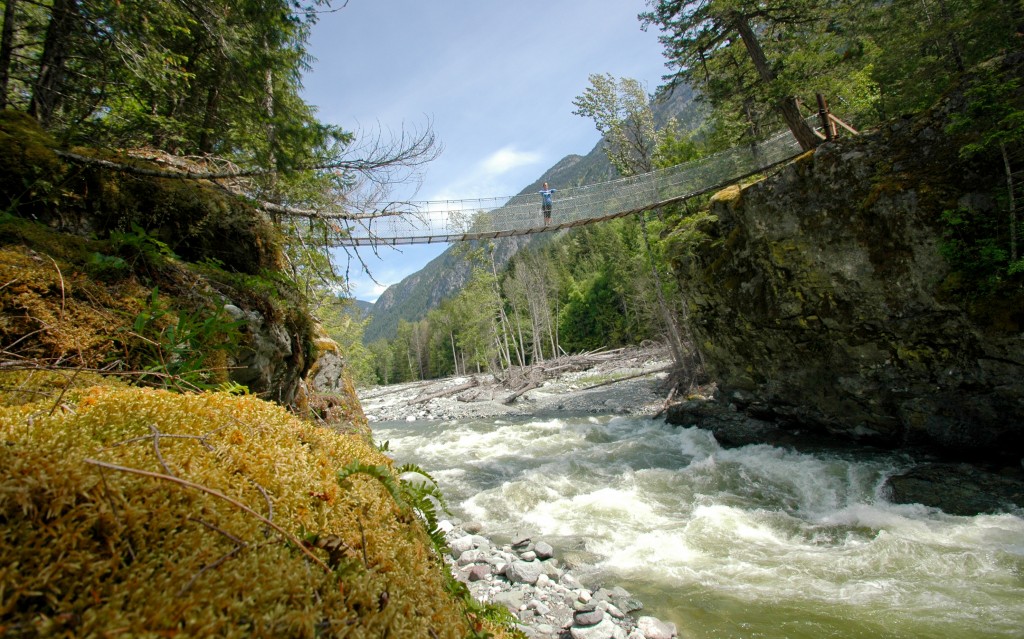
827	125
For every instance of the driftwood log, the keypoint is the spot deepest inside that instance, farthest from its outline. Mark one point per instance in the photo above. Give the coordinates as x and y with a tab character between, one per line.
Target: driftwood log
622	379
446	392
664	406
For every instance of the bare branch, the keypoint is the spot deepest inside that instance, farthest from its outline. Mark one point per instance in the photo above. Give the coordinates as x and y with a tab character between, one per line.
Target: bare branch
156	449
219	495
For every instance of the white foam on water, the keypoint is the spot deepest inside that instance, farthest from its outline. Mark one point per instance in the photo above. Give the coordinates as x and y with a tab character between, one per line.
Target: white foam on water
758	524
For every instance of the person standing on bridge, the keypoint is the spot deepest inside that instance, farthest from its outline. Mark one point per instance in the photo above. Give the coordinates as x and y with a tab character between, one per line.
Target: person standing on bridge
545	205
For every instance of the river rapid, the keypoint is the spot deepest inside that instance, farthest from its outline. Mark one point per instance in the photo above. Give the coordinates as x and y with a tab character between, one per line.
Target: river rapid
750	542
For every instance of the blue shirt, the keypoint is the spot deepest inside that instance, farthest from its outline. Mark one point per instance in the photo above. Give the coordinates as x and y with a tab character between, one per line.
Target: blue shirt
547	195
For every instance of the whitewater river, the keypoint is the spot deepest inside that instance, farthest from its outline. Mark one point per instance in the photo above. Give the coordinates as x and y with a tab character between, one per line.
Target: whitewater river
749	542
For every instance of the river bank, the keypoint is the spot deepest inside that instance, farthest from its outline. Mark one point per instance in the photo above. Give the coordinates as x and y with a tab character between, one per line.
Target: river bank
593	390
549	601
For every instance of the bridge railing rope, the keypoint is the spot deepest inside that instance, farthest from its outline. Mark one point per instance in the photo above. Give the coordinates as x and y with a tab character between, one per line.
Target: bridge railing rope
460	220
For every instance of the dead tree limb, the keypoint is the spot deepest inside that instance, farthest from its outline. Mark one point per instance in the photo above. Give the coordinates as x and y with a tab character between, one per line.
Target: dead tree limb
664	407
622	379
446	392
522	389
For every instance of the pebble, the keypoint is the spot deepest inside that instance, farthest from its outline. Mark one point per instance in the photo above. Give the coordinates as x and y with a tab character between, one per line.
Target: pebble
604	630
525	572
549	602
569	581
479	572
588	617
475	556
614	611
460	545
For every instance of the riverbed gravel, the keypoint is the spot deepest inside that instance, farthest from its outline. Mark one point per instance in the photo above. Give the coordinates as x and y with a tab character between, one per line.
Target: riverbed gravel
544	595
571	393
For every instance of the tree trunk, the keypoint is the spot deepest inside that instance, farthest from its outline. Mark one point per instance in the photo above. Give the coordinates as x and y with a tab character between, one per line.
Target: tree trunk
506	326
675	343
209	119
455	355
46	94
1013	203
6	47
787	106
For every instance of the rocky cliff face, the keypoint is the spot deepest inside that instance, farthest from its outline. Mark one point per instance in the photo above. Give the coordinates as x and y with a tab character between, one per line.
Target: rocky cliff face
825	301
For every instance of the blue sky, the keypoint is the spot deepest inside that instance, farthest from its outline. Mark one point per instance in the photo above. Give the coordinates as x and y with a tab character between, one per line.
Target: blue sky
494	78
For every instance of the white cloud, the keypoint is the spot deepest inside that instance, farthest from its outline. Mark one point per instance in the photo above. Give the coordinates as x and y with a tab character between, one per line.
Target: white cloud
500	173
376	290
507	159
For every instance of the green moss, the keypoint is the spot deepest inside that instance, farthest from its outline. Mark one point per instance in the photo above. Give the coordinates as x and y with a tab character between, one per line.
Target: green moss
141	555
733	239
196	219
31	174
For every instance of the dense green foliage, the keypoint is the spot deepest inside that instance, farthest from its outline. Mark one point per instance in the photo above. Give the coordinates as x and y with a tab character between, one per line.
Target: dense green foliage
981	242
872	60
212	91
184	76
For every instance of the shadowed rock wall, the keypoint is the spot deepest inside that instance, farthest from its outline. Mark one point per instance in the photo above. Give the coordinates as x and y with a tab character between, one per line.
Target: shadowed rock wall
826	302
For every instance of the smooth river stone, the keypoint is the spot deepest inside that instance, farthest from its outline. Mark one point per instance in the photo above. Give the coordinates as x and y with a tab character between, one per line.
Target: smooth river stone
588	617
654	628
604	630
524	571
479	572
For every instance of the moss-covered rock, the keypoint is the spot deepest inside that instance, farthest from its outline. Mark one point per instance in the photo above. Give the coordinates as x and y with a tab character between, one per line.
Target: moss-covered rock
99	265
193	218
72	302
147	514
830	304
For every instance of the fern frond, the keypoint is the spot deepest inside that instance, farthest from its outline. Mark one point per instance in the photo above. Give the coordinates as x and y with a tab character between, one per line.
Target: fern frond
380	473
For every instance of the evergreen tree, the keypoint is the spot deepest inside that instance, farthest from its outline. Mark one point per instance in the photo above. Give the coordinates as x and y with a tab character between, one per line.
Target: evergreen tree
699	32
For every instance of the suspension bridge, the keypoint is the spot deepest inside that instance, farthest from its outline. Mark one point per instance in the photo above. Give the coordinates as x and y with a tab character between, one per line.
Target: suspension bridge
486	218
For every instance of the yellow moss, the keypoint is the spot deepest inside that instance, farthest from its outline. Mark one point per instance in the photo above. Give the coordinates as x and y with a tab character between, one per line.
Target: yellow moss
96	550
55	311
324	344
29	385
729	195
804	158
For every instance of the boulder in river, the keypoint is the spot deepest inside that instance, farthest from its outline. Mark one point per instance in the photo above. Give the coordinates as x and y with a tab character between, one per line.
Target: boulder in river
958	489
